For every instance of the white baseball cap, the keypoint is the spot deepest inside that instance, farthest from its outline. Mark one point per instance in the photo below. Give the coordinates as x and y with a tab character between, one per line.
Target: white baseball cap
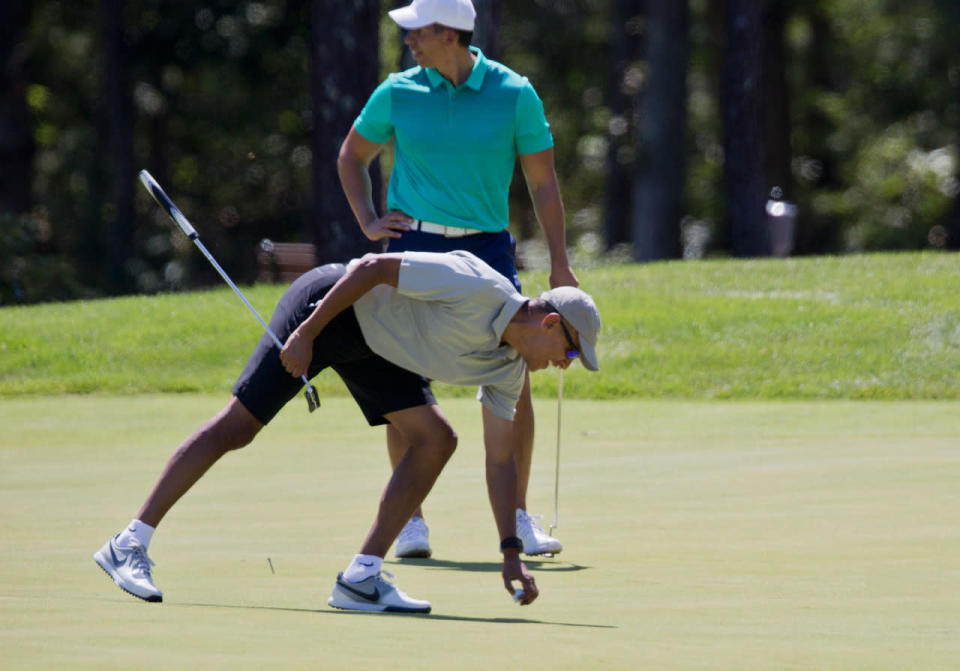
578	308
458	14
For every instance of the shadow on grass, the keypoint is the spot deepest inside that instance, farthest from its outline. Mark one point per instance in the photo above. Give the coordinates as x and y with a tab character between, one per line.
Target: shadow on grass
421	616
486	567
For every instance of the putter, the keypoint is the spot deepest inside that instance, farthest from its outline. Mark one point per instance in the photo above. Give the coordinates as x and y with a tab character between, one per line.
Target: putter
556	471
153	188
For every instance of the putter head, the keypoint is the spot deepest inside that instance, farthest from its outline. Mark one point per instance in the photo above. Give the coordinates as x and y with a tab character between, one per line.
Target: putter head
313	400
549	555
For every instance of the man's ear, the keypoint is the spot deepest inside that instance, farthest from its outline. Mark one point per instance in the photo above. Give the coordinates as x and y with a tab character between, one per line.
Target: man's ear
450	35
550	321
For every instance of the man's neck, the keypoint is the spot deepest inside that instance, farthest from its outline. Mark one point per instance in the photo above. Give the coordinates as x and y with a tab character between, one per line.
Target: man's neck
517	328
459	66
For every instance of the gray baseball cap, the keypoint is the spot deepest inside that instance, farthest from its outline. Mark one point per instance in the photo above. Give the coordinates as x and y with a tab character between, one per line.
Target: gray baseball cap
578	308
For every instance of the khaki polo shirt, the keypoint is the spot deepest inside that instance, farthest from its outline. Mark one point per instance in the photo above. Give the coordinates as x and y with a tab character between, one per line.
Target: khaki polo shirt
445	321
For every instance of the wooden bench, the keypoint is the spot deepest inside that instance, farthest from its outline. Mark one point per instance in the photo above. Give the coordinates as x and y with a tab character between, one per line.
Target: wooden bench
284	261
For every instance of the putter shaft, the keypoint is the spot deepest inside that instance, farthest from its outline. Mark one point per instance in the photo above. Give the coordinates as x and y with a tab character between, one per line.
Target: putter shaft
556	478
163	200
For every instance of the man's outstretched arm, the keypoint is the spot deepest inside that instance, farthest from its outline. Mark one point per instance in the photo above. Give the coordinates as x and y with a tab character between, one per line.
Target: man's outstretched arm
544	188
502	489
371	270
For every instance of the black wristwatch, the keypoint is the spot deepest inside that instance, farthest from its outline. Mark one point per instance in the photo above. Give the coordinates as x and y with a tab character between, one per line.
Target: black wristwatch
511	542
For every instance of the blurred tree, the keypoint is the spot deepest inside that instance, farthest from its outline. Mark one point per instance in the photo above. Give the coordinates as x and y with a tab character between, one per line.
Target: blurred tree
866	109
953	240
626	47
116	174
563	48
880	174
345	68
744	182
659	180
703	230
951	12
16	131
486	32
776	97
817	62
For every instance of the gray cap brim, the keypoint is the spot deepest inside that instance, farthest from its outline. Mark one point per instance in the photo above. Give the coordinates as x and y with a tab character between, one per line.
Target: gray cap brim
588	355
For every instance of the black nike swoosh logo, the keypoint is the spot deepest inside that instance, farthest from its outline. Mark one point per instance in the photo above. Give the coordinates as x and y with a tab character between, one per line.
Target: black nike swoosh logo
363	563
363	595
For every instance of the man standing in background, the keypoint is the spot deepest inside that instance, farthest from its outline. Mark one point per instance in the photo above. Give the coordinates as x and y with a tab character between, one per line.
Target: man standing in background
459	122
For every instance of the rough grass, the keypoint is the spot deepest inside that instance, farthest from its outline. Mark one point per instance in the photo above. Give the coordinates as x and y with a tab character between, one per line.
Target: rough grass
855	327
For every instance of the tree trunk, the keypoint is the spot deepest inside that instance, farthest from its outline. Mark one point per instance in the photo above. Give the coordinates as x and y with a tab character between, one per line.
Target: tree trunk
345	68
628	16
16	131
776	98
744	180
117	212
659	181
953	219
820	234
486	30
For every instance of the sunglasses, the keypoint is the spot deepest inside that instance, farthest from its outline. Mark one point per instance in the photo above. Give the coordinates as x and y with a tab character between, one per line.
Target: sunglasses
572	352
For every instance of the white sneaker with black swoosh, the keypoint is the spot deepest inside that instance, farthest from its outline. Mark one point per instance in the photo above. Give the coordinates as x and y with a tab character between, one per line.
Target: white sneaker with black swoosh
130	569
374	593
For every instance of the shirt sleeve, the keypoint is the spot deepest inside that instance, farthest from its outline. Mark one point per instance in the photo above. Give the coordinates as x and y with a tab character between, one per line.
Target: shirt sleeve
533	131
501	402
374	121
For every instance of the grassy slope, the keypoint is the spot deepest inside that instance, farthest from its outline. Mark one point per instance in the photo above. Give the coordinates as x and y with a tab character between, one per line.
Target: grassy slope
873	327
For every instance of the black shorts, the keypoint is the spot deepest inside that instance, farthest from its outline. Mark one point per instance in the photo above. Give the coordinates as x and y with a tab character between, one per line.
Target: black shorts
378	386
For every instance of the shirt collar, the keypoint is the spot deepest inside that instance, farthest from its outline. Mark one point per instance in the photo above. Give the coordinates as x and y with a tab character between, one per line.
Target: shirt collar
510	308
474	81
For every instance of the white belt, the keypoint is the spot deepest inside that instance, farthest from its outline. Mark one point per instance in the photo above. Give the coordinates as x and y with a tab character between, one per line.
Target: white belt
440	229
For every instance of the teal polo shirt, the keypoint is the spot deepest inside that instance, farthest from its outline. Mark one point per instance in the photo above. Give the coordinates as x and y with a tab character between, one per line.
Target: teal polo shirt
455	148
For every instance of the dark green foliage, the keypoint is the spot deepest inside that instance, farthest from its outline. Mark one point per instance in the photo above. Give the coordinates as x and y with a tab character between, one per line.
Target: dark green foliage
32	270
222	108
223	114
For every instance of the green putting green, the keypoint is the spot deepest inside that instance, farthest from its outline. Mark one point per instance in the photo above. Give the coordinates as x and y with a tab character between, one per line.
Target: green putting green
699	535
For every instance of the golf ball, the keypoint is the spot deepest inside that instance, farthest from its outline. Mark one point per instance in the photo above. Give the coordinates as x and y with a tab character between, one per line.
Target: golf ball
518	594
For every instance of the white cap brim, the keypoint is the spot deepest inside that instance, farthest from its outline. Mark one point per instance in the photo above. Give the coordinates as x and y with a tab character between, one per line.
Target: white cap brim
408	19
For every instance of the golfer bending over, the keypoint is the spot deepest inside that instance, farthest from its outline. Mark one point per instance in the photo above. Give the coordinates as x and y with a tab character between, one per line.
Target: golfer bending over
388	324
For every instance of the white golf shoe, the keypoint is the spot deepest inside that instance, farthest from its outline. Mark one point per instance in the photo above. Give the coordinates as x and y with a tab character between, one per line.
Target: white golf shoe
535	541
414	540
130	569
374	594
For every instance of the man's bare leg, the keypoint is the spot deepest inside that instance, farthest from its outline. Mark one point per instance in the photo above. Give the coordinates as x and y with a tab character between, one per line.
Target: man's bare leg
124	557
396	448
230	429
431	442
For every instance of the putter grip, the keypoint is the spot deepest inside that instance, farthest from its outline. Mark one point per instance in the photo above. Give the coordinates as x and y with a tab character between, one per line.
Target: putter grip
150	184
